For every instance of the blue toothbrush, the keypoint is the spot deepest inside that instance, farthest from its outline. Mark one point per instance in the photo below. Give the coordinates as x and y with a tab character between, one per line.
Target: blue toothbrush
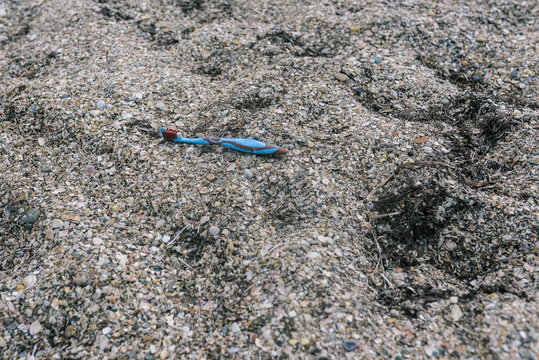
245	145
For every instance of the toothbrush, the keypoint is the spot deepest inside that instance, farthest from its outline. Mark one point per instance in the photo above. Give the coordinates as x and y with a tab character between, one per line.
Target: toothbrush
246	145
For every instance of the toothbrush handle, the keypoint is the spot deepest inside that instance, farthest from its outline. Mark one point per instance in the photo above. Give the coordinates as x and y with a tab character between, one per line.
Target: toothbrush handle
247	145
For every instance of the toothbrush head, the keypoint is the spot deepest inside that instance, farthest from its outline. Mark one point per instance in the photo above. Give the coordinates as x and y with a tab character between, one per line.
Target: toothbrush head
170	134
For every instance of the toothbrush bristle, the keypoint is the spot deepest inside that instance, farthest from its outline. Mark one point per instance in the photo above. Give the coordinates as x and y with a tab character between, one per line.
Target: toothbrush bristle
169	134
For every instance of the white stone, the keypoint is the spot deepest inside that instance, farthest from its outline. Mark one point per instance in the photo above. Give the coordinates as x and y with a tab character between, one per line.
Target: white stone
30	280
235	328
456	313
101	105
214	230
57	223
35	327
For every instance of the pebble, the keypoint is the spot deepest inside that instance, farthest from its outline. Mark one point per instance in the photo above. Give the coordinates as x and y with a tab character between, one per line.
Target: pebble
233	350
46	168
190	149
223	223
137	97
349	346
514	74
160	106
214	230
70	331
341	76
79	281
127	116
3	343
165	238
97	241
248	173
456	313
35	327
31	216
394	313
310	144
235	328
89	169
57	223
101	105
30	280
428	149
377	60
313	255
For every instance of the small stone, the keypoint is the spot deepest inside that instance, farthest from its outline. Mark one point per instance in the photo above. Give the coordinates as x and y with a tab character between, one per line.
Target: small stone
46	168
35	327
101	105
127	116
310	144
29	281
3	343
313	255
137	97
31	216
210	176
57	223
235	328
97	241
190	150
514	74
214	230
41	141
304	341
223	223
421	139
394	313
454	299
292	341
456	313
49	234
341	77
233	350
428	149
79	281
349	346
377	60
70	331
165	238
160	106
248	173
89	169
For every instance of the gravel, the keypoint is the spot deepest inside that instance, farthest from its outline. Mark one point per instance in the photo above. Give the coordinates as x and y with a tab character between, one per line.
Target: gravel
401	223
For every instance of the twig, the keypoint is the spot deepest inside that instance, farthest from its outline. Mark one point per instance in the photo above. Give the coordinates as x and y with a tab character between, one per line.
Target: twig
246	291
376	216
178	234
387	281
186	264
403	166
